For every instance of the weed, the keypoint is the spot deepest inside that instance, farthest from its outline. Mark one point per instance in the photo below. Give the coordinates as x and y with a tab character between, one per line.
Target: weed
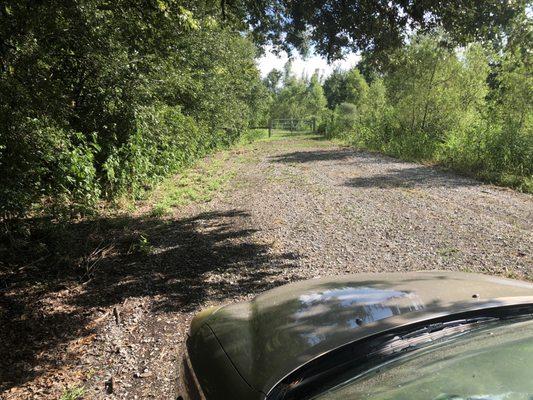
198	184
73	393
447	252
141	245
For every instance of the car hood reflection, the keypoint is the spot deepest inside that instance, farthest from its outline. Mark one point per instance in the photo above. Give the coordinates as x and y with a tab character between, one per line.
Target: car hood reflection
349	307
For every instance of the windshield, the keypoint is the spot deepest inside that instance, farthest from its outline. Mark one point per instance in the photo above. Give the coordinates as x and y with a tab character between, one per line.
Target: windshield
490	364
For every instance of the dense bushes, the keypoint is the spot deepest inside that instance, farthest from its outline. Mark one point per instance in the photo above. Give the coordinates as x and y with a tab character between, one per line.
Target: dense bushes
43	162
100	99
162	141
468	109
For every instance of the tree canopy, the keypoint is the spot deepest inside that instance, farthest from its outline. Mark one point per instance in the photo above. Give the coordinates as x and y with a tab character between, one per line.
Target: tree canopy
331	27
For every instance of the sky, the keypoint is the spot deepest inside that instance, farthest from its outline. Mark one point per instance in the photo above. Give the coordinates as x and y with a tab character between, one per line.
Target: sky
300	66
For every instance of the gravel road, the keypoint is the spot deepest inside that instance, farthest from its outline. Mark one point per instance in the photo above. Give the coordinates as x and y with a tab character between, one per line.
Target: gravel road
296	208
307	208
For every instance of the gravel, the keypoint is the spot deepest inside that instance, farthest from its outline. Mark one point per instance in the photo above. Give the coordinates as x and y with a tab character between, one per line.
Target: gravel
296	209
303	208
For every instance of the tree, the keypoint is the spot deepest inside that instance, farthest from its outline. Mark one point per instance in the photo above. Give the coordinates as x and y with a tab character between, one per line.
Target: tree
99	98
315	101
335	88
345	87
369	26
435	103
299	98
273	80
512	104
356	87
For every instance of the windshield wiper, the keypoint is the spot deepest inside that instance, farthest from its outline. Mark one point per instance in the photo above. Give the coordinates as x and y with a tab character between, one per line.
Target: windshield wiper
411	340
446	325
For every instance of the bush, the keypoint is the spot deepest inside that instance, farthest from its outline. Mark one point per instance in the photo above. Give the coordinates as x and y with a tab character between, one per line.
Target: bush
41	161
163	141
98	101
435	104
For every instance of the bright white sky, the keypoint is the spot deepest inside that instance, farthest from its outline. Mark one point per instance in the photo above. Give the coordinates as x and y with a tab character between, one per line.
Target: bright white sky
301	66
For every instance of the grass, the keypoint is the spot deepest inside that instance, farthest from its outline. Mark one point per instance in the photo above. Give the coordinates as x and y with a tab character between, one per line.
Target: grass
253	135
278	134
198	184
73	393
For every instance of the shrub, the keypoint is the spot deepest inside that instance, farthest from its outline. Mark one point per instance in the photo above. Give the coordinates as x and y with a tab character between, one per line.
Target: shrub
163	141
42	161
435	104
104	100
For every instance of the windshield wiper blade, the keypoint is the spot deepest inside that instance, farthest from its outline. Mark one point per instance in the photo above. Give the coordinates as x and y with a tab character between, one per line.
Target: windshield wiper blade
429	333
446	325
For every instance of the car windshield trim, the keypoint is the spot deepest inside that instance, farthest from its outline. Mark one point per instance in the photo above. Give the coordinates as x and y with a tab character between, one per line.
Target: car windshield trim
361	356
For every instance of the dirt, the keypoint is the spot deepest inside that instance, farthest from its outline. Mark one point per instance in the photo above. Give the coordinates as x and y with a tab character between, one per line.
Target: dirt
296	209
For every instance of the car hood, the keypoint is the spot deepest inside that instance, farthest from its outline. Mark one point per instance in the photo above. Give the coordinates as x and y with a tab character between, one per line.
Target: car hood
283	328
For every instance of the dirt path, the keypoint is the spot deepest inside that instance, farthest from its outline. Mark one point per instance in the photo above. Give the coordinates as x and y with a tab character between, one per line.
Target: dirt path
295	209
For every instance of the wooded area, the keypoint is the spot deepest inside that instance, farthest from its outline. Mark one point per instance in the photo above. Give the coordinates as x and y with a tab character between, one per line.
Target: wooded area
101	99
467	108
106	106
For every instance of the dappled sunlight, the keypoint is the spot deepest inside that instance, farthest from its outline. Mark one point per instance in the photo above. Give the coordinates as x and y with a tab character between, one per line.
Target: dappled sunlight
179	270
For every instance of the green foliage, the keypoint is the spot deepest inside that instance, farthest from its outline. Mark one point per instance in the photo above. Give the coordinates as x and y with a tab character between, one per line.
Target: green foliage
101	99
345	87
299	98
335	88
192	185
163	141
371	26
345	120
141	245
252	135
273	80
434	103
74	393
356	89
41	161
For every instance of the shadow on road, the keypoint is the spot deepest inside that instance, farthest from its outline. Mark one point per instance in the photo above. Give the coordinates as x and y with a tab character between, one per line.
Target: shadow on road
51	300
412	177
313	156
397	173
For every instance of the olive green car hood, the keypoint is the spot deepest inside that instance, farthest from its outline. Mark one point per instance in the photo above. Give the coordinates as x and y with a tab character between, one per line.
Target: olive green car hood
283	328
